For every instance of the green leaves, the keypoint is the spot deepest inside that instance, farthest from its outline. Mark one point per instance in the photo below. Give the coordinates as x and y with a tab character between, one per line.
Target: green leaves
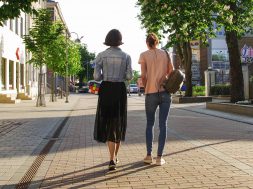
181	21
12	8
40	37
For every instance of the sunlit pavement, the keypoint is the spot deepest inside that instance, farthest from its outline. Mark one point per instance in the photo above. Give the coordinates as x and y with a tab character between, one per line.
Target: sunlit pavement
204	149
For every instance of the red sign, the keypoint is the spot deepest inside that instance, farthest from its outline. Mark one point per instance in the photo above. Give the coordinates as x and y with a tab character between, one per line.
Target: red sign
17	53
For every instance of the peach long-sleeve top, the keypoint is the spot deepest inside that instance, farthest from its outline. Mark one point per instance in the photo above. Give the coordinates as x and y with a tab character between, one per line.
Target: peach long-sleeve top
155	65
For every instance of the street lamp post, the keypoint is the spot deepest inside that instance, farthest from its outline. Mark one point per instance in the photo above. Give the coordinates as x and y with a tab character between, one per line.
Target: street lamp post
78	40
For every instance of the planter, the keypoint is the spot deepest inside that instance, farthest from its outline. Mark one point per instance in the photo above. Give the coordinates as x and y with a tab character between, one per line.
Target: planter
231	108
194	99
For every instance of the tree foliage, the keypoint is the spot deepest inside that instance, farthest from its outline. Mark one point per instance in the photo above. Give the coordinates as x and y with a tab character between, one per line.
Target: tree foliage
181	22
136	75
10	9
41	36
236	17
86	59
74	58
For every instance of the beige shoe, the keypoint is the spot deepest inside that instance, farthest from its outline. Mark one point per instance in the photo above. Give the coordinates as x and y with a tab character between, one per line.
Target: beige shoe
148	159
160	161
116	160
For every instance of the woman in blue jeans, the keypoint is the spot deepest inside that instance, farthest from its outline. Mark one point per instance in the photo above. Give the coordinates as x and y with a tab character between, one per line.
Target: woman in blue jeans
155	66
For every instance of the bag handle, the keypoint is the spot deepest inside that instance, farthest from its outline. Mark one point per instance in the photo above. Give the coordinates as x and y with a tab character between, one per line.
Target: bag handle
170	68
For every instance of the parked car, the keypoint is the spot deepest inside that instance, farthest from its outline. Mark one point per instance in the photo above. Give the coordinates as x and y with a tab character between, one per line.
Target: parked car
82	87
94	86
132	88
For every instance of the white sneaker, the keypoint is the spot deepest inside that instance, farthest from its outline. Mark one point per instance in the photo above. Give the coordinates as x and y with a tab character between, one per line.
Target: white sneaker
148	159
160	161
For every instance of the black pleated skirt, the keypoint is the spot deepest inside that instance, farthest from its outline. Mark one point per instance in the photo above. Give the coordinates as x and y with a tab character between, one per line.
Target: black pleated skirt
111	116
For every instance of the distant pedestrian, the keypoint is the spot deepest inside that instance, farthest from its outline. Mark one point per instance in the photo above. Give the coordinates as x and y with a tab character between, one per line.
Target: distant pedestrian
155	66
113	67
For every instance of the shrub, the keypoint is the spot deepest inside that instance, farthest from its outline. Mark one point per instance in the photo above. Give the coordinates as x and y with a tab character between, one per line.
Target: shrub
251	79
220	90
198	91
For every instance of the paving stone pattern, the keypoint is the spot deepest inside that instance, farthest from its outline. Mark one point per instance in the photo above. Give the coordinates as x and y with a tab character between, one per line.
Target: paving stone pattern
202	151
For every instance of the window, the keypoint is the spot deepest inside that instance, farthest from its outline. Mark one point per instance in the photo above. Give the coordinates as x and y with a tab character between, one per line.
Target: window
220	55
11	74
22	75
16	25
11	24
21	27
51	10
3	66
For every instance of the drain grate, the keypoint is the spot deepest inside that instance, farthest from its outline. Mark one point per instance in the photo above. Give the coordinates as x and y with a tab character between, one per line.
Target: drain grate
27	178
7	126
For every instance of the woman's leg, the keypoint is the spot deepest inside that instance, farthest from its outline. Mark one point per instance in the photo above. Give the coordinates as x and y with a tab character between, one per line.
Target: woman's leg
112	149
117	149
151	104
164	108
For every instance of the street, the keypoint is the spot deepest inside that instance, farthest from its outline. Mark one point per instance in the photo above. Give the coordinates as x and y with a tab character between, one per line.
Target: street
53	147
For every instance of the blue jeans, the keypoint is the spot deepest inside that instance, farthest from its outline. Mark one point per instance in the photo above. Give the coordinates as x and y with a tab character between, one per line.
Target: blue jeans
152	101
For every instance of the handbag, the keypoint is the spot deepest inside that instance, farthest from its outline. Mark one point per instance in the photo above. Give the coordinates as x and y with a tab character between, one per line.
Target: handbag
174	81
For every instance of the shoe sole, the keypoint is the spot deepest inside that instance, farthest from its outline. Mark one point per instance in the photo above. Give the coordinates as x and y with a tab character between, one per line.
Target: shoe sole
148	161
159	164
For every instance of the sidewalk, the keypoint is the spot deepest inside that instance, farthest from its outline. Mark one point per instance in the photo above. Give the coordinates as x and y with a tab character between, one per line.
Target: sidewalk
205	149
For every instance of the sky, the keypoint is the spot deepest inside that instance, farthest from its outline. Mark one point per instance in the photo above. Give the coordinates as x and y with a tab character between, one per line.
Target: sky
93	19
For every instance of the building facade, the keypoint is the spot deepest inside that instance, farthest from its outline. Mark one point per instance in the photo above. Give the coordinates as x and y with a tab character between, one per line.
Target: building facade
18	79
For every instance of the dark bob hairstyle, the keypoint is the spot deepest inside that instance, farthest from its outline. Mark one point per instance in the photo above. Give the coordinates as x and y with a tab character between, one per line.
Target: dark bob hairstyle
113	38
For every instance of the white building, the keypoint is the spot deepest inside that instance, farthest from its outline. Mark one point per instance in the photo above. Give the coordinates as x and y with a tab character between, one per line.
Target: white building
18	80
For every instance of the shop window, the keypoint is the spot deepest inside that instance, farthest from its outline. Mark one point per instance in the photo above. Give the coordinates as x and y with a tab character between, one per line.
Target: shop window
11	74
22	75
3	74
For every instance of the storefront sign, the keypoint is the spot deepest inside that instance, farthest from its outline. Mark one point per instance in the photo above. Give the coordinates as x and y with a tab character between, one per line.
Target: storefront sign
17	54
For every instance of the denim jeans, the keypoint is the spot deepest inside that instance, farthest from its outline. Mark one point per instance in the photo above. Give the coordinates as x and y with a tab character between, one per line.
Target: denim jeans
152	101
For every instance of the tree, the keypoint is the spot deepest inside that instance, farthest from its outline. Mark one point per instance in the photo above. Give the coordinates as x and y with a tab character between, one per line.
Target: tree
181	22
41	36
86	58
55	56
236	17
12	8
136	75
74	58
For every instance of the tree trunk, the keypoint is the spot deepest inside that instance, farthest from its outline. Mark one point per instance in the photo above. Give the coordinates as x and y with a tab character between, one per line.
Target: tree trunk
236	76
41	89
187	53
52	96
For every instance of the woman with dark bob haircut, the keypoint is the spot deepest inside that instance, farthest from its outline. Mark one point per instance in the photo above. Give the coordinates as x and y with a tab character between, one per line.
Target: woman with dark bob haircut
113	67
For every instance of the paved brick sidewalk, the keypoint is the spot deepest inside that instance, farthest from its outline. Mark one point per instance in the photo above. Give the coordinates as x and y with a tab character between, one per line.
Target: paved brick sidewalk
24	129
202	151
